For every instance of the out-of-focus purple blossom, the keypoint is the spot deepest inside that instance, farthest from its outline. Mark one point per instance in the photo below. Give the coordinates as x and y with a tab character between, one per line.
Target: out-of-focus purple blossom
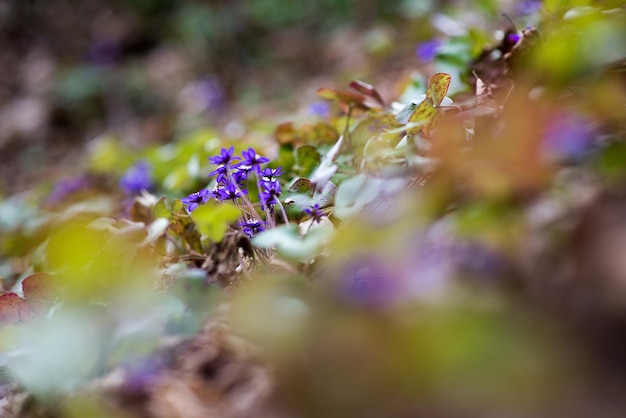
104	52
210	93
269	192
270	174
315	213
139	375
230	192
67	187
195	199
428	267
252	227
427	51
225	157
477	260
513	38
253	160
367	281
137	178
527	7
320	109
567	135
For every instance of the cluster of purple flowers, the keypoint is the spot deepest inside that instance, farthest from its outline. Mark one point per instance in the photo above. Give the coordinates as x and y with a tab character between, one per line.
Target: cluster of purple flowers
232	174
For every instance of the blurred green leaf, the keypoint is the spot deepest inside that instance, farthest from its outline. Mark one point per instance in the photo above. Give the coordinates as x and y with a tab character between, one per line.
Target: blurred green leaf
107	155
370	126
58	354
161	210
307	159
288	242
212	219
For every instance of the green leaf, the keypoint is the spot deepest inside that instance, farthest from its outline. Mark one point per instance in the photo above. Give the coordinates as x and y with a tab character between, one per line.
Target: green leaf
285	159
176	179
213	219
357	192
378	153
372	125
320	133
350	196
107	154
287	241
178	206
161	210
307	159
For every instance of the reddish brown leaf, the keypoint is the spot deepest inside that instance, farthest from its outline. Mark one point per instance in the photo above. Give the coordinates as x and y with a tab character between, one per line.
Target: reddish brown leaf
285	133
14	309
38	286
367	90
344	96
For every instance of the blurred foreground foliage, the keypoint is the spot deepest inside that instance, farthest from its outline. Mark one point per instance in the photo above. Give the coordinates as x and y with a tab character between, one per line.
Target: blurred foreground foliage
455	253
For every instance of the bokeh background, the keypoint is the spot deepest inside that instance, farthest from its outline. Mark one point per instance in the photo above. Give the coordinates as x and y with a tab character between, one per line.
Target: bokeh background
477	272
149	71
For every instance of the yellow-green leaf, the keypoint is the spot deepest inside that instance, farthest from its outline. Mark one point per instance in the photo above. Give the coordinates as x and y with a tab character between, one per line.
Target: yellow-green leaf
212	219
425	112
437	88
428	110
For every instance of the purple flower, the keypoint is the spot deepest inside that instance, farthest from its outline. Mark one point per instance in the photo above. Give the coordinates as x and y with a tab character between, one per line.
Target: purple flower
240	176
320	109
221	172
478	260
367	280
137	178
270	174
513	38
253	160
252	227
527	7
225	157
315	213
141	373
215	193
64	188
427	51
211	93
567	135
269	192
193	200
229	192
